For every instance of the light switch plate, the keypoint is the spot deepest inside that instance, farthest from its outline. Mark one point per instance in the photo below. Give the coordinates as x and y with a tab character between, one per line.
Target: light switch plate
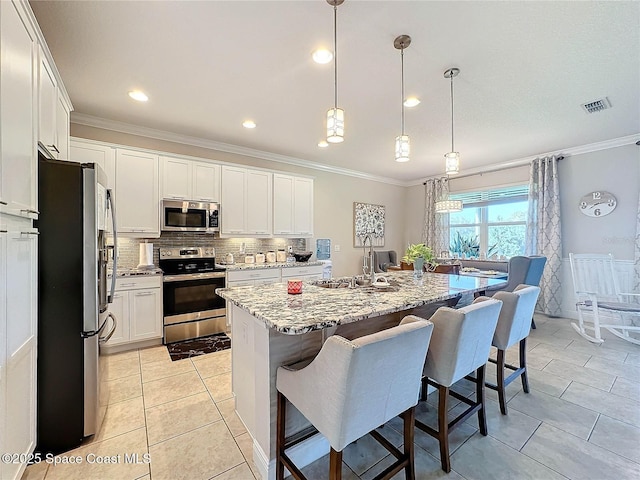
336	248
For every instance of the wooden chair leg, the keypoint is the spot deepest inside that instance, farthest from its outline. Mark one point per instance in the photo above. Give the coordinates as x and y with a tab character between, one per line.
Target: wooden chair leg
409	451
335	465
482	413
523	364
443	427
500	361
280	435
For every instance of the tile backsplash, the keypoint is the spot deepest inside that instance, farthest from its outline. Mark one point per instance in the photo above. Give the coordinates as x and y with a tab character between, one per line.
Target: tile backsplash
129	251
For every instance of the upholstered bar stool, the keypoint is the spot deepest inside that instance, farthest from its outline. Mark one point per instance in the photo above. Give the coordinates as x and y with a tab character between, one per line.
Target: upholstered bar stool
460	345
514	325
351	388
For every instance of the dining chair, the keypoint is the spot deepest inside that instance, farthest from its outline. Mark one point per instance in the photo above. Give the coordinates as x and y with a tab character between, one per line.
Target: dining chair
460	345
514	325
600	301
522	271
353	387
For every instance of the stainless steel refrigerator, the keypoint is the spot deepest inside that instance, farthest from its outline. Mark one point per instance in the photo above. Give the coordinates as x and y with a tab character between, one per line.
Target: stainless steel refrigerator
73	294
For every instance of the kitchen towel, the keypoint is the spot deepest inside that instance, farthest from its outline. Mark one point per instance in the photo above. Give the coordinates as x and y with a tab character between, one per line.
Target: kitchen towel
146	255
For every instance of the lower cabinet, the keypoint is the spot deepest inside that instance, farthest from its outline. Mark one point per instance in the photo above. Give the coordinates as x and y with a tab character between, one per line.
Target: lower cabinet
307	274
18	345
239	278
137	307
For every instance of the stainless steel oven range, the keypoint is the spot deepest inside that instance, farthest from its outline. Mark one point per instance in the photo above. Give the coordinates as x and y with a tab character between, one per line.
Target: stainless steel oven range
191	307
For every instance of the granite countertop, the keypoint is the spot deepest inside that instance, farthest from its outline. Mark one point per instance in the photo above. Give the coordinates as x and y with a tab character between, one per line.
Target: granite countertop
131	272
317	308
254	266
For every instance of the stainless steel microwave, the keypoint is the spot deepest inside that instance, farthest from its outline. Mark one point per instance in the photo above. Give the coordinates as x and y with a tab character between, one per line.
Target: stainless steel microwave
190	216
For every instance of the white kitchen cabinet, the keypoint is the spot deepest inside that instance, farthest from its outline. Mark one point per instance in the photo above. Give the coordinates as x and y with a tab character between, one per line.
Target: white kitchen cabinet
18	74
206	182
53	111
176	178
307	274
62	127
253	276
137	307
246	199
18	301
186	179
87	152
292	205
47	105
136	192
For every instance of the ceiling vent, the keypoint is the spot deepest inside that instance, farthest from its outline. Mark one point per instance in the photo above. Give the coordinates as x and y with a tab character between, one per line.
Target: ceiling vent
597	105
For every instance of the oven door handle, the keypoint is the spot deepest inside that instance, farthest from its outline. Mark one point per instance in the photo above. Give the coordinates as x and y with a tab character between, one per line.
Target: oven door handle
192	276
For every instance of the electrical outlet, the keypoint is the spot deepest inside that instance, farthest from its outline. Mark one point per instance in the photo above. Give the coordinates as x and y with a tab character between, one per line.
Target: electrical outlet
336	248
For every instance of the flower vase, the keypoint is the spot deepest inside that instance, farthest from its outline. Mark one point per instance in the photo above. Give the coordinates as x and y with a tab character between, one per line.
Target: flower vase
418	265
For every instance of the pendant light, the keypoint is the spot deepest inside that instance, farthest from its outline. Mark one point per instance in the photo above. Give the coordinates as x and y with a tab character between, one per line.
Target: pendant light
403	145
452	159
335	115
448	206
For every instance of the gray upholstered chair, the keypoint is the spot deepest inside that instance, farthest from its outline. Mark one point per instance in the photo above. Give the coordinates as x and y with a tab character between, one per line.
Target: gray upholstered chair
522	271
384	258
353	387
460	345
514	325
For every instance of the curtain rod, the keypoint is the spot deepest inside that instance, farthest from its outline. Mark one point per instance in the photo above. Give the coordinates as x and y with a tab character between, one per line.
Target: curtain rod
561	157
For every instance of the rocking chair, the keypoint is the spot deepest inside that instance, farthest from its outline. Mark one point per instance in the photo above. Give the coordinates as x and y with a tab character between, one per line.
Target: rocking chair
600	303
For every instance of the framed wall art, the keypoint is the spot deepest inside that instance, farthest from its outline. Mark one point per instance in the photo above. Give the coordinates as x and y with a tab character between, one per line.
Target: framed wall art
368	219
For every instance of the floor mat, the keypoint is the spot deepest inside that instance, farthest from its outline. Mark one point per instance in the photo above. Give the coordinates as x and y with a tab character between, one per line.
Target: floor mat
198	346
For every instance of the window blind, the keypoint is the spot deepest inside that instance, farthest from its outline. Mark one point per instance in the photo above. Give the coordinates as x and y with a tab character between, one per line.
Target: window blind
498	195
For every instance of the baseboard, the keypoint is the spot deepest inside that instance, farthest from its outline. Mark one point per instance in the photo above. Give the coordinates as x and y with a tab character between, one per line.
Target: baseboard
302	455
124	347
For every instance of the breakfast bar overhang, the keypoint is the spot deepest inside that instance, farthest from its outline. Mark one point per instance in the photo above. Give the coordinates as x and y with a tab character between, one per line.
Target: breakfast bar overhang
271	328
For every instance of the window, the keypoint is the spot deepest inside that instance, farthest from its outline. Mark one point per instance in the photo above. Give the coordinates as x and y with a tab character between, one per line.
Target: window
498	218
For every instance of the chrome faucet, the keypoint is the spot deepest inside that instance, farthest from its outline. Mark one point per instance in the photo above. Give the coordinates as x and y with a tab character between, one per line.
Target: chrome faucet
368	270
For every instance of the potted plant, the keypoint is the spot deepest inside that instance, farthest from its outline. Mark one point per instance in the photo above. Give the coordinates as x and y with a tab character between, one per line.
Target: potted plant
418	254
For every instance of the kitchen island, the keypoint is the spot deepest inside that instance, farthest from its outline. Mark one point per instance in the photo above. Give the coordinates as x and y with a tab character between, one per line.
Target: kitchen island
271	328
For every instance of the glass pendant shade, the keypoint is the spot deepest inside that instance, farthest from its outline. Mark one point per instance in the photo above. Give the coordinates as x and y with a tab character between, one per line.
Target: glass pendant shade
448	206
452	163
403	147
335	125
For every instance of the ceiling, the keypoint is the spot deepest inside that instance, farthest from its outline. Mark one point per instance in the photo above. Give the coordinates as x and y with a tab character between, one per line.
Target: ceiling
526	69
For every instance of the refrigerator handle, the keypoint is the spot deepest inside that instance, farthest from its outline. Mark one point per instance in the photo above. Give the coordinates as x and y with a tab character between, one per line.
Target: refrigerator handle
112	206
106	338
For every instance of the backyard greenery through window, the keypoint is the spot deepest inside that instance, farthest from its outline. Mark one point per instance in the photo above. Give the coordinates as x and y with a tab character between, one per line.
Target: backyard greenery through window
496	218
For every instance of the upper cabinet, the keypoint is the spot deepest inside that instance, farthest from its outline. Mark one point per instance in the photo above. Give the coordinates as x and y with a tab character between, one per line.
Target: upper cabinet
186	179
18	154
88	152
53	111
245	205
136	192
292	205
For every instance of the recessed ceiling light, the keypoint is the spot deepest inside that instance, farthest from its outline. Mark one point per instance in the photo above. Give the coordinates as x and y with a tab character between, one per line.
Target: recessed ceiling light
322	55
411	102
323	144
138	95
249	124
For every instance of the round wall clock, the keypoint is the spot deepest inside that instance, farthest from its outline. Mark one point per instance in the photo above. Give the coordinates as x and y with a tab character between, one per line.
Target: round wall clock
597	204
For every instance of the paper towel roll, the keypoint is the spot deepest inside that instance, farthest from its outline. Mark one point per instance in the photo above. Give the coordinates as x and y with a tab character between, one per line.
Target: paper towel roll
146	255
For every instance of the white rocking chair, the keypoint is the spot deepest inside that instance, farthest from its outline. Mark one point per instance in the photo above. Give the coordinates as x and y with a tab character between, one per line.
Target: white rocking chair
600	303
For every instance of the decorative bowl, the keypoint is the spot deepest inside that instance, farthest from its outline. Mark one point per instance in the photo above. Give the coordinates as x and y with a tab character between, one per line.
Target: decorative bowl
302	256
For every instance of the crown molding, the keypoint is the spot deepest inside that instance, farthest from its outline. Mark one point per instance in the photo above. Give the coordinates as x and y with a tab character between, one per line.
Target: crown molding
97	122
567	152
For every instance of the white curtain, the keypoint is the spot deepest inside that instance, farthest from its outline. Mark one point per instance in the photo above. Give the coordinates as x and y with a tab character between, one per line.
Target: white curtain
436	225
544	236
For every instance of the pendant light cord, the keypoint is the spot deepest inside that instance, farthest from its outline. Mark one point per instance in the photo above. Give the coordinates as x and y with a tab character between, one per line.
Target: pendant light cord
335	55
402	75
452	113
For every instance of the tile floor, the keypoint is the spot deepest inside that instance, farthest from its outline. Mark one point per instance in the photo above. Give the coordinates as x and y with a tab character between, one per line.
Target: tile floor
580	421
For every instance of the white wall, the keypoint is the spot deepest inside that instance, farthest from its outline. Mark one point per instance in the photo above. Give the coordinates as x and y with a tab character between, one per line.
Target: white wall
616	170
333	198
